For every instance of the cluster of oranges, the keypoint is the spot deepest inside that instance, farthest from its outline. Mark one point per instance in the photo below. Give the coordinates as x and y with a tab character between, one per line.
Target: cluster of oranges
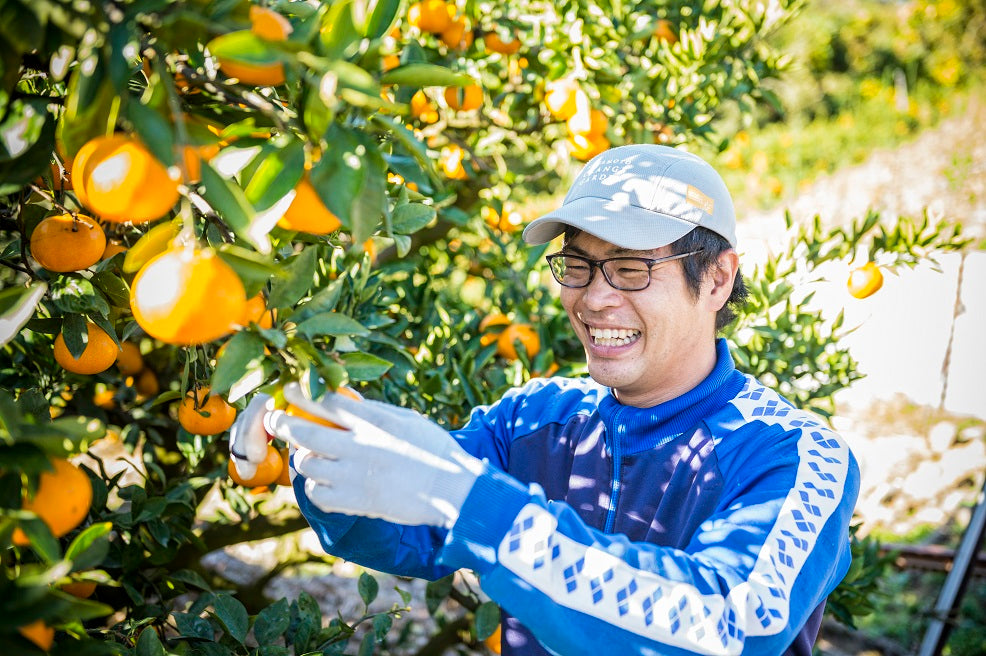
566	101
507	334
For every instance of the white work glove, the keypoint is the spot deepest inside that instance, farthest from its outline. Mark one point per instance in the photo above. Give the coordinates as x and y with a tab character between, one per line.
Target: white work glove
248	437
384	461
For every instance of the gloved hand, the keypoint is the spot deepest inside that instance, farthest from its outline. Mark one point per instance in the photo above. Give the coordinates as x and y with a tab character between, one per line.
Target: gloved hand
382	461
248	436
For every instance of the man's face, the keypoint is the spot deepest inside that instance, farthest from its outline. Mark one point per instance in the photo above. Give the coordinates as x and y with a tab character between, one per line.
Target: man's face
649	345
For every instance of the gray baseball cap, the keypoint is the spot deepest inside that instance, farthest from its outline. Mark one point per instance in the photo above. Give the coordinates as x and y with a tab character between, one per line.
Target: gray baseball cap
641	197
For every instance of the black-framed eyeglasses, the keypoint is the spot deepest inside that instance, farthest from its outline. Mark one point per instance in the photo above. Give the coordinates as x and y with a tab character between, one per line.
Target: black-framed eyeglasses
628	274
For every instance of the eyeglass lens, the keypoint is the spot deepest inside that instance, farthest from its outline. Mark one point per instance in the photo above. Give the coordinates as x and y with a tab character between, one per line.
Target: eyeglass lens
623	273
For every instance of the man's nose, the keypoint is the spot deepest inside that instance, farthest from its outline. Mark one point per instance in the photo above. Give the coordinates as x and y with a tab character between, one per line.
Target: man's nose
599	293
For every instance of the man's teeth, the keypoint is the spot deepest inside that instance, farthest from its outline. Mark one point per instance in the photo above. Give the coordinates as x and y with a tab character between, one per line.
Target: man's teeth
613	336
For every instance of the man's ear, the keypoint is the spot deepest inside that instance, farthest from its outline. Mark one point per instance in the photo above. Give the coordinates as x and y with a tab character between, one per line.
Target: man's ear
719	280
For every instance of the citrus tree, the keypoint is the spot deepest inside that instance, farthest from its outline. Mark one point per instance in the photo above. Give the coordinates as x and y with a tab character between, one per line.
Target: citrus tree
202	200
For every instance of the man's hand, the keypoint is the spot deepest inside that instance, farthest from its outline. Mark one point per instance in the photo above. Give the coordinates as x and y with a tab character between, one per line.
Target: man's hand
248	436
380	461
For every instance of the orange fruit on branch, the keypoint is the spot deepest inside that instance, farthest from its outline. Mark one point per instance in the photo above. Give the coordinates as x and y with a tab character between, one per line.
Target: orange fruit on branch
112	248
129	360
464	99
509	221
39	633
589	122
80	589
268	24
307	212
865	280
522	332
62	500
204	413
296	411
285	476
457	36
256	312
268	470
249	57
490	321
664	31
67	243
187	296
585	147
120	180
105	399
451	162
429	16
99	354
147	384
422	108
492	641
561	97
494	43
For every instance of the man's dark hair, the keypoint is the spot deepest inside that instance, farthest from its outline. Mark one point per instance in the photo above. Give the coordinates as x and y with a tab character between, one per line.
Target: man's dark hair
696	267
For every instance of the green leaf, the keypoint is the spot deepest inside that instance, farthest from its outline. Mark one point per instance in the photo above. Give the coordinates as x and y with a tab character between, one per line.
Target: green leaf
382	15
113	286
154	131
381	625
42	541
367	645
229	201
281	167
277	650
148	644
90	104
351	180
193	626
188	577
426	75
76	295
486	620
411	217
17	306
253	269
272	622
368	588
300	269
242	353
338	33
20	26
245	47
437	591
32	161
364	366
233	616
74	332
331	323
21	128
89	547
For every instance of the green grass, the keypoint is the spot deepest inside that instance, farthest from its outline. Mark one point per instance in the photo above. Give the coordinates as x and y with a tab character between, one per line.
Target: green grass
763	166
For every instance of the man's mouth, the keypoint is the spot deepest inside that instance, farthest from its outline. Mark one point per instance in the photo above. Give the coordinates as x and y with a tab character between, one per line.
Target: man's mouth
612	336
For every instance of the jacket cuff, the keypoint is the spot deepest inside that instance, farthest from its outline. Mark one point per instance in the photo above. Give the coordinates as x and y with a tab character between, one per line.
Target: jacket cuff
486	516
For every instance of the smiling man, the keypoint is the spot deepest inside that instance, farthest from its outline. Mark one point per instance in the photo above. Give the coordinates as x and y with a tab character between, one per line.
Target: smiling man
666	504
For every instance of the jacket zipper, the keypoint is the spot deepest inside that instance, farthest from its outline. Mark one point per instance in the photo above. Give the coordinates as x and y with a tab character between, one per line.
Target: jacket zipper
614	492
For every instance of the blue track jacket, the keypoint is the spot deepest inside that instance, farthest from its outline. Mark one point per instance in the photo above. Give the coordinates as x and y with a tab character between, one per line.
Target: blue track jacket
714	523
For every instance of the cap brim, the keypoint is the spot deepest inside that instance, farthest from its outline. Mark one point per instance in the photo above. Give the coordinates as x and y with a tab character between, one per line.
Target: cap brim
640	229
